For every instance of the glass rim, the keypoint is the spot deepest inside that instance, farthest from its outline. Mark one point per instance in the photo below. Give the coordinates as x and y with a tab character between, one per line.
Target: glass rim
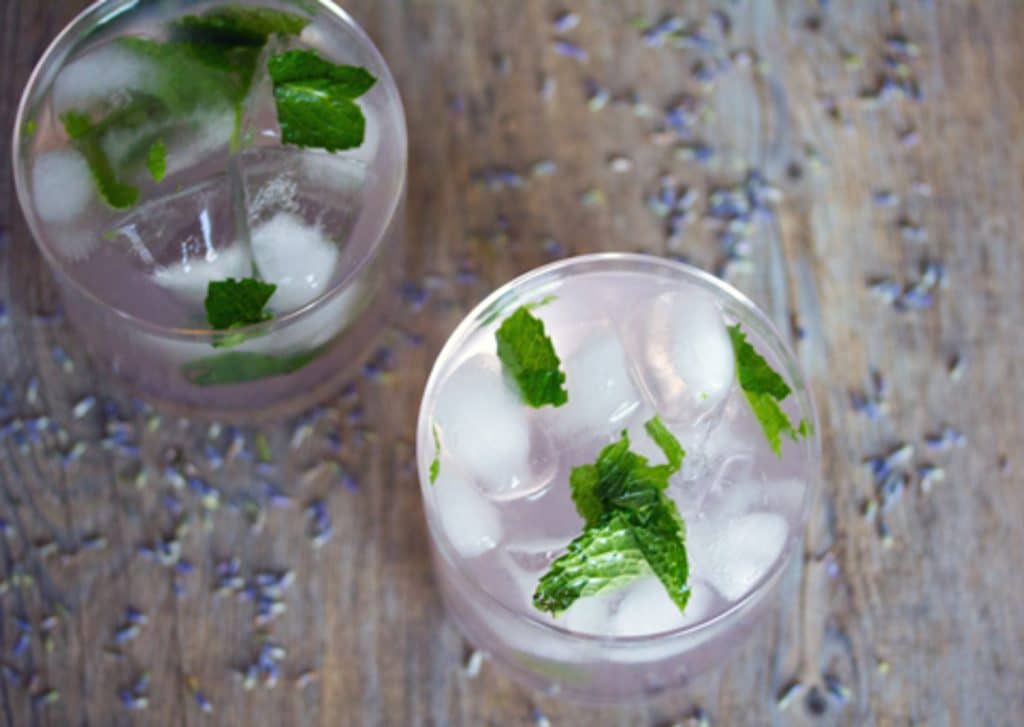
57	52
611	260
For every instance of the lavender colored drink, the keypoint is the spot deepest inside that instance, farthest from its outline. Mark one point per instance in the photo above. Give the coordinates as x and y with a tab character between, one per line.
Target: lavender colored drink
153	159
637	337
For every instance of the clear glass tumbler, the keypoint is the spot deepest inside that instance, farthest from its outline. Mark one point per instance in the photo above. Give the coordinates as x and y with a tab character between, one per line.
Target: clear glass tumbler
491	543
327	227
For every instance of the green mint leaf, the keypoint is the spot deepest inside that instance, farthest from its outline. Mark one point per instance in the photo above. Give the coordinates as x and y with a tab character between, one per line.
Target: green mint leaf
435	465
316	100
764	389
528	354
237	26
583	483
238	367
88	142
666	442
605	557
205	68
631	527
156	161
546	300
231	303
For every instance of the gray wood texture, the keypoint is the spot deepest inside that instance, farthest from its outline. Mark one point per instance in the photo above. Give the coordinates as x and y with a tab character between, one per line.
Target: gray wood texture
906	610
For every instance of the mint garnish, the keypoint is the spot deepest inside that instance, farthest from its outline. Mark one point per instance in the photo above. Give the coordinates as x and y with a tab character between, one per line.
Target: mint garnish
88	138
237	367
156	161
237	26
208	64
764	388
233	303
316	100
631	527
528	354
435	464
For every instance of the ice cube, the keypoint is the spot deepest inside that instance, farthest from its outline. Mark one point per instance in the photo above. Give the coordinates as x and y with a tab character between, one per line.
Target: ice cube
188	225
691	438
647	609
190	278
62	185
735	554
336	173
683	354
601	391
732	490
297	257
483	425
197	137
471	523
535	555
108	72
590	614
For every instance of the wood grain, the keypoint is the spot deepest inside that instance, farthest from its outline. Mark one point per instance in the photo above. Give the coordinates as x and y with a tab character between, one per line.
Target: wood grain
914	611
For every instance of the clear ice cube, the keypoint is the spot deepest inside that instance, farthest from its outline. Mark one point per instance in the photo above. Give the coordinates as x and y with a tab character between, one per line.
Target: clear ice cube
734	554
106	73
682	354
602	395
591	614
192	225
647	609
190	278
483	426
62	186
471	523
299	258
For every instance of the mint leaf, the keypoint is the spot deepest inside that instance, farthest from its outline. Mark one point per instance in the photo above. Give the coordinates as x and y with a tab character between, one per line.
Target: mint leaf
237	367
435	465
631	527
605	557
237	26
666	442
207	65
528	354
156	161
316	100
764	388
546	300
232	303
87	141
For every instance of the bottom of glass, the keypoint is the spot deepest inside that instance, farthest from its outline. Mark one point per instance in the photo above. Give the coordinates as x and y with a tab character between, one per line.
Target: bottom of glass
589	671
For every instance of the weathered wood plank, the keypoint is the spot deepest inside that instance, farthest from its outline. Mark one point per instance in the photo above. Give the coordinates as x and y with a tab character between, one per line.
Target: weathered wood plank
920	626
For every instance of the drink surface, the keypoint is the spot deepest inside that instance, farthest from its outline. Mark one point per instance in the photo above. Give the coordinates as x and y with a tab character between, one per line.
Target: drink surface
632	345
233	200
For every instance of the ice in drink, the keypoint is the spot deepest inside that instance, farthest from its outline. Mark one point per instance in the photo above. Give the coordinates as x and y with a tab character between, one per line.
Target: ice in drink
638	339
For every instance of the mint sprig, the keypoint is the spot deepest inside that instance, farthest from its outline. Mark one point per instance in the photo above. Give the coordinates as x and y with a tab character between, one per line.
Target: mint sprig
764	389
237	26
435	464
239	367
234	303
529	355
208	63
316	100
631	527
156	161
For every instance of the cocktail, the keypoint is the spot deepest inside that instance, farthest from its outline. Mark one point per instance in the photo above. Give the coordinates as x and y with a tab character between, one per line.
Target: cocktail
617	455
218	188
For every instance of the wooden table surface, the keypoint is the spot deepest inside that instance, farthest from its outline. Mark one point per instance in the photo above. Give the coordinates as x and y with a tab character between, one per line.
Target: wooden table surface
881	143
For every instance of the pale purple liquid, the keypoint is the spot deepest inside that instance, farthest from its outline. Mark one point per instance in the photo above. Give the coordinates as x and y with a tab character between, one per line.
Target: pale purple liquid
109	262
744	507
